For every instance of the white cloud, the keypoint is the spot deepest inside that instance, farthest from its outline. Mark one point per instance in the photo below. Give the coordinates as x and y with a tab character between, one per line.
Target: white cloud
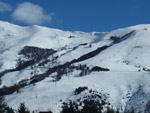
5	7
31	14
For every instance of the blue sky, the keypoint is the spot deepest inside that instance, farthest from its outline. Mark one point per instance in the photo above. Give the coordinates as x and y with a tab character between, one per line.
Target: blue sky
80	15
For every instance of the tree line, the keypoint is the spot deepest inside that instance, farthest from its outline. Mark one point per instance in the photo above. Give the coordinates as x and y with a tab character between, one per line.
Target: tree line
92	106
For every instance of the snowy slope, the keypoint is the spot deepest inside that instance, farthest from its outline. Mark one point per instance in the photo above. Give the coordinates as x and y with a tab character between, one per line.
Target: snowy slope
13	38
129	55
125	52
119	85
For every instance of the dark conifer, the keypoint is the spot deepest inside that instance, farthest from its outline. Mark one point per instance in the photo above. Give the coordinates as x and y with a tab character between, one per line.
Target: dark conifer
22	108
2	104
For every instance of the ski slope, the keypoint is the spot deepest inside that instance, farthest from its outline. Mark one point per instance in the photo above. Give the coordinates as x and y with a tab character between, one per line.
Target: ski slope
127	82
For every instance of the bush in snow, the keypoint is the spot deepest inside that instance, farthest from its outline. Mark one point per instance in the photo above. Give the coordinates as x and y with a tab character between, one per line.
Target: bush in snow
79	90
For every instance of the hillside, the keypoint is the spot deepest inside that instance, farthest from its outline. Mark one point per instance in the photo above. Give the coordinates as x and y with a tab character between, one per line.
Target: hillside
43	66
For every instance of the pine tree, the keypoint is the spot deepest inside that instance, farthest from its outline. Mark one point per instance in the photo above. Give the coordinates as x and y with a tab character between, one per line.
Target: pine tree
22	108
110	110
132	110
2	104
68	108
118	110
9	110
147	107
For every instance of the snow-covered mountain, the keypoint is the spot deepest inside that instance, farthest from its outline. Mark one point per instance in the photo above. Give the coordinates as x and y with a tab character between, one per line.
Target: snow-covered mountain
43	66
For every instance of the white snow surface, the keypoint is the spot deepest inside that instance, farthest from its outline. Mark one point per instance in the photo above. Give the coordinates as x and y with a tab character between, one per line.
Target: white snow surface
13	38
46	95
126	82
